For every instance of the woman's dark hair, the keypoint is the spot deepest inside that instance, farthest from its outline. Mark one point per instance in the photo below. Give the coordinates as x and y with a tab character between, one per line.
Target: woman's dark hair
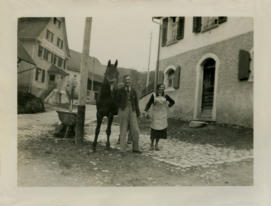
158	86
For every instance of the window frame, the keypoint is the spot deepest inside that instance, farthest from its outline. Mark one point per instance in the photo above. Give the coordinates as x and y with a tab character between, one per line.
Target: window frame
40	51
170	30
171	88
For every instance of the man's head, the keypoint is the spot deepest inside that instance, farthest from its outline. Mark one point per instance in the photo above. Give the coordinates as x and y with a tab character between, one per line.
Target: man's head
127	80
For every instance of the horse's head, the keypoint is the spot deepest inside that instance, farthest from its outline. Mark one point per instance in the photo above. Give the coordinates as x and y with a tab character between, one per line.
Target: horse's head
111	74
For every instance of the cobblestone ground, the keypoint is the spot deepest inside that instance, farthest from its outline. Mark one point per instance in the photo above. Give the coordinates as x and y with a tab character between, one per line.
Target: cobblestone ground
177	152
182	160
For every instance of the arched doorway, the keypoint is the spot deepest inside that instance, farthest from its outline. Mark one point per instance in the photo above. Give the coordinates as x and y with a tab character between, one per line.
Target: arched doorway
208	85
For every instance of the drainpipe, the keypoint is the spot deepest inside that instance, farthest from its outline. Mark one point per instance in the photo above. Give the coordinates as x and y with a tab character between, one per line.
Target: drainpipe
158	53
148	74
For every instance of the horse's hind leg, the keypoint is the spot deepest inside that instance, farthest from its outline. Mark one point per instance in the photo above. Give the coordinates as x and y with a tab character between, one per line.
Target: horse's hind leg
97	131
108	130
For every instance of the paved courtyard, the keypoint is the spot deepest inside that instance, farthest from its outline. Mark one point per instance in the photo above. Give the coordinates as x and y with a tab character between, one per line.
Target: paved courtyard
182	160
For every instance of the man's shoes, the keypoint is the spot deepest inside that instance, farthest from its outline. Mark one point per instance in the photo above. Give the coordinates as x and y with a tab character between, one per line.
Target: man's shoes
137	151
129	142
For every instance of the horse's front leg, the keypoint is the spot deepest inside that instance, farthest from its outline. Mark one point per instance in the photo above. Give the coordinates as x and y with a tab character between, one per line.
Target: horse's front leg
108	130
97	131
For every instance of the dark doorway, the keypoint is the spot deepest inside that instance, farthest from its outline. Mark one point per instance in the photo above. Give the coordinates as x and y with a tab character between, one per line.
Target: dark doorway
208	89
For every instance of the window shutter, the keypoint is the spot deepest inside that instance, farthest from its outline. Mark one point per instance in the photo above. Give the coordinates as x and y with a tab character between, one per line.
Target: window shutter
196	24
180	31
43	75
222	19
244	60
164	32
177	78
37	74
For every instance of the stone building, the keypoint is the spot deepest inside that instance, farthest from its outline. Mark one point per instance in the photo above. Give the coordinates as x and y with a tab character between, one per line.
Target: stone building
207	65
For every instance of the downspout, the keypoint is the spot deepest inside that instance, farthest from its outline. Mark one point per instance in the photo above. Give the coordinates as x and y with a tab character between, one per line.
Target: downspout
158	54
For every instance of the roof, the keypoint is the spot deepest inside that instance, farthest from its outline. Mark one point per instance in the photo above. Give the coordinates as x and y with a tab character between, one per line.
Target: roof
92	62
30	28
23	54
65	36
55	70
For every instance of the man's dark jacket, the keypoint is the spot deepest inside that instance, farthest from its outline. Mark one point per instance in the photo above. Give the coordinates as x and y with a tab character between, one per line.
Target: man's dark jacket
122	99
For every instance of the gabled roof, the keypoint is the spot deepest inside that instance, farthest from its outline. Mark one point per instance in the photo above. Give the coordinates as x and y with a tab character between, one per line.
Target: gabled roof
23	54
74	65
55	70
30	28
65	36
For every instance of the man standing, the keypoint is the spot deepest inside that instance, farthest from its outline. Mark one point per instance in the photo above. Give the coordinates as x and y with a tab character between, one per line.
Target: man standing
128	114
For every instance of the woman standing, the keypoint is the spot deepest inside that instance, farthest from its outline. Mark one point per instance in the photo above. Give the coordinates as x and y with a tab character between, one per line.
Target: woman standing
160	104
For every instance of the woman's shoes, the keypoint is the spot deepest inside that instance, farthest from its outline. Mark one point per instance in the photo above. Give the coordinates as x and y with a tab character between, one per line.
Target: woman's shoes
157	148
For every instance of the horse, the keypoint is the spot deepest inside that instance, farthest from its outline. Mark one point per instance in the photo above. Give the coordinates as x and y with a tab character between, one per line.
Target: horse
106	104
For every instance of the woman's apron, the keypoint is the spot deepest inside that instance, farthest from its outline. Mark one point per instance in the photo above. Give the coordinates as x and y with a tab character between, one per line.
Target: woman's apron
159	113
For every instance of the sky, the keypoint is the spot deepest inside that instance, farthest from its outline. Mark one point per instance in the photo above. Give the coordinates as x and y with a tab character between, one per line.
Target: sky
126	38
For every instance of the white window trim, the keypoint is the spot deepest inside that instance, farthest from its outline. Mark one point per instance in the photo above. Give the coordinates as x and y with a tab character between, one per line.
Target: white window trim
168	89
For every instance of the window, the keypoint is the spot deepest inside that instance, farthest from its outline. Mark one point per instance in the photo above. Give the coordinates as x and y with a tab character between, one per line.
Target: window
43	76
40	49
209	23
57	22
37	74
172	30
40	75
52	77
203	24
64	64
172	77
60	61
52	58
49	56
59	43
49	36
45	54
61	47
55	59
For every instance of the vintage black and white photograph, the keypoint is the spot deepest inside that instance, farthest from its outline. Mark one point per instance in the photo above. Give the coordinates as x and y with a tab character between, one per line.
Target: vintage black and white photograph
135	101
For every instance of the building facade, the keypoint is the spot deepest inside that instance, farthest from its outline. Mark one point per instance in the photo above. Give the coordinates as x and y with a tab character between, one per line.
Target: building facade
207	64
45	40
95	74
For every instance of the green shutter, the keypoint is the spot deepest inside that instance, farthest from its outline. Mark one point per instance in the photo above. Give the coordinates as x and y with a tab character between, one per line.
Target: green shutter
244	61
180	30
197	24
177	77
164	32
